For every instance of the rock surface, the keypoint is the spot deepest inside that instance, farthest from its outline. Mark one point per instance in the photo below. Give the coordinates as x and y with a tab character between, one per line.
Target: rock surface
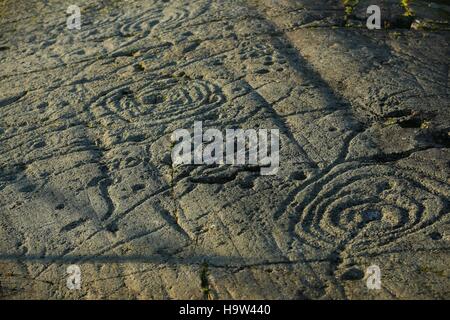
85	170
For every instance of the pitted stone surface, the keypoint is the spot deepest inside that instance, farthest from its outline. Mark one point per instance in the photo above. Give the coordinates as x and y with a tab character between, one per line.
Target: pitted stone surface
86	175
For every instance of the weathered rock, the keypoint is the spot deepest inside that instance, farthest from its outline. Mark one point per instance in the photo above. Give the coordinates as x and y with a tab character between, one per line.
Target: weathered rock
86	175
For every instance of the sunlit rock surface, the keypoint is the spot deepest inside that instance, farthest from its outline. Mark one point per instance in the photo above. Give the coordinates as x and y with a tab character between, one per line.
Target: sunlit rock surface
86	176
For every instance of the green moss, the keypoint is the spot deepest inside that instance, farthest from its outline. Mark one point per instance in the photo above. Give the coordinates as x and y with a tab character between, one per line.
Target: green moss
204	282
406	6
349	6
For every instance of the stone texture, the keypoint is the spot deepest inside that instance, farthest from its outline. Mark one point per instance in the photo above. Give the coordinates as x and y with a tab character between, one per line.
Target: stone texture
85	170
